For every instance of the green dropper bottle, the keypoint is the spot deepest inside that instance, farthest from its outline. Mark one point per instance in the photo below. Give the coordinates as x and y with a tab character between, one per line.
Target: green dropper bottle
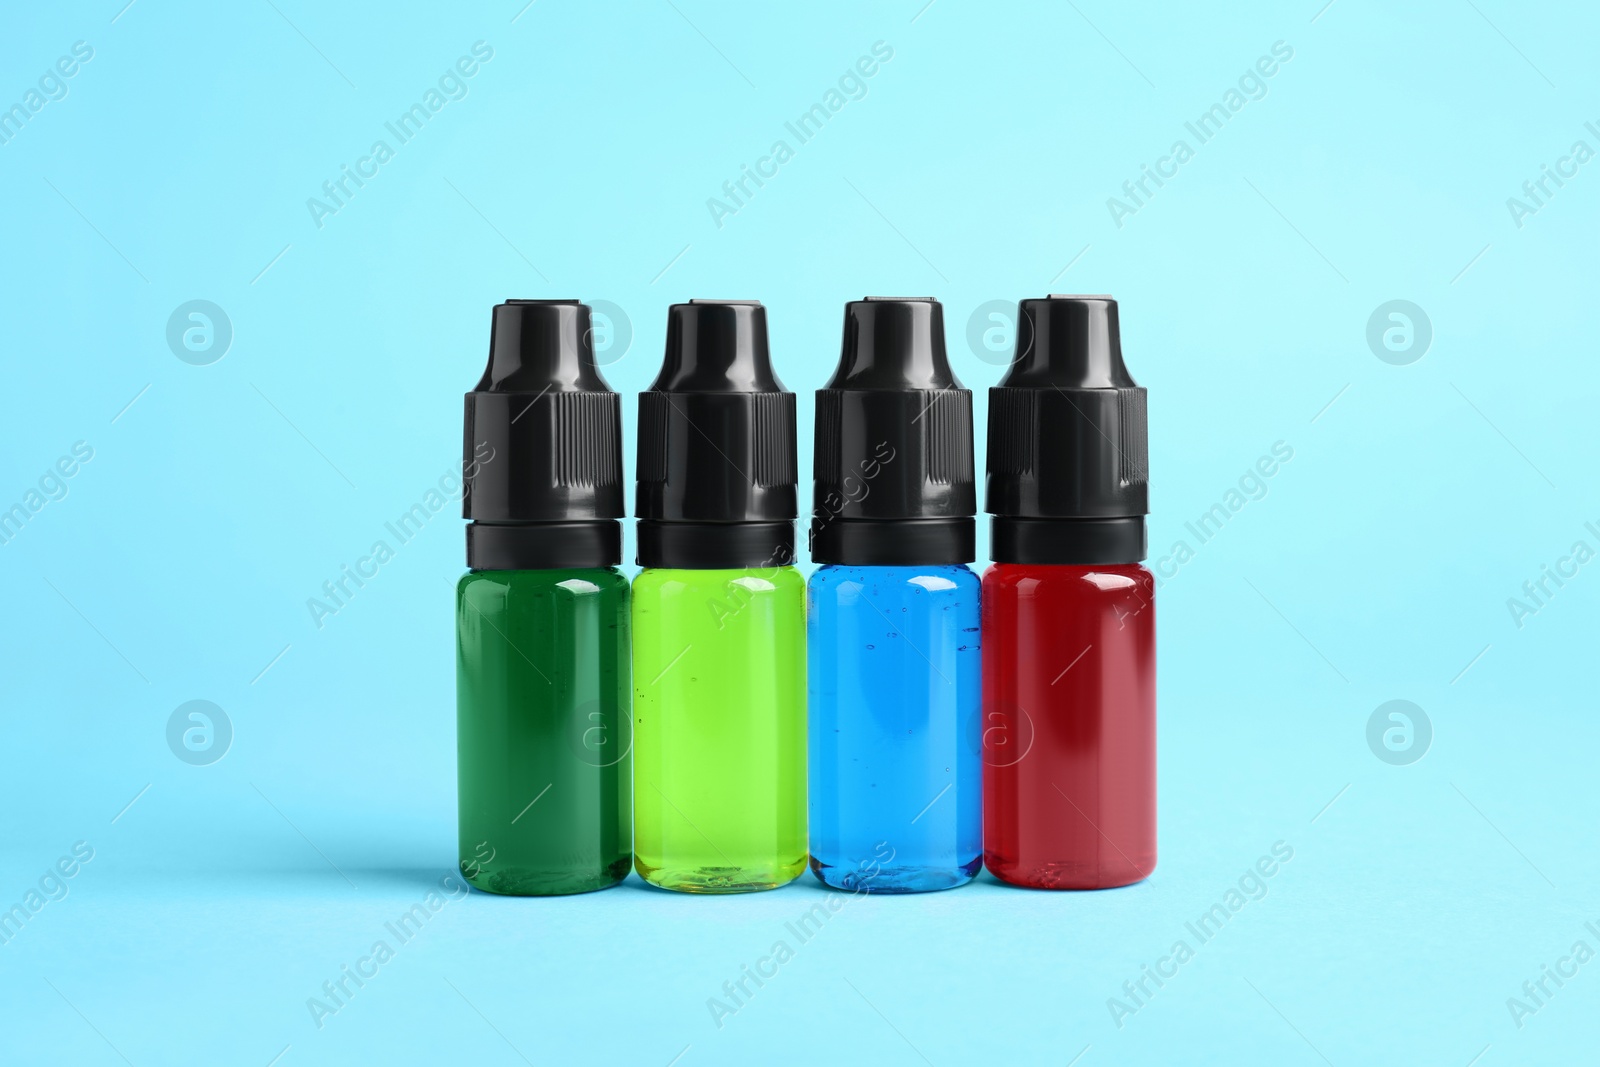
718	614
543	684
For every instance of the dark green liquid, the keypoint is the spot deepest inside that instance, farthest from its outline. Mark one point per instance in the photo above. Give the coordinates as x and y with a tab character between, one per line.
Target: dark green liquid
544	732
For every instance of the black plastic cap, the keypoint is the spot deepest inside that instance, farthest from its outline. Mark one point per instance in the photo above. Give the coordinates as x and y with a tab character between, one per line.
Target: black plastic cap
542	469
1068	440
716	445
893	462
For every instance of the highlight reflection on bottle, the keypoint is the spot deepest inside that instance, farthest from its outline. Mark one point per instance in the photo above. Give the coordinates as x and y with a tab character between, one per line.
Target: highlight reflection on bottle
718	614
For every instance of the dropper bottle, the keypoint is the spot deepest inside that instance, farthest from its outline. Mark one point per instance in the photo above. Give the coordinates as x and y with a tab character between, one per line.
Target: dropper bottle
1069	645
894	648
718	613
543	684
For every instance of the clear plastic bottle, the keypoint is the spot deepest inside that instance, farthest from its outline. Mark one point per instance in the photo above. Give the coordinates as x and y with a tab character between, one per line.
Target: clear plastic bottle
1069	640
542	684
542	653
1070	686
721	727
895	792
894	622
718	614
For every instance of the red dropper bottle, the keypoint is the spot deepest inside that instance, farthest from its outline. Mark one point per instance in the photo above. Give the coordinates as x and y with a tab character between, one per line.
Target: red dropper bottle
1069	671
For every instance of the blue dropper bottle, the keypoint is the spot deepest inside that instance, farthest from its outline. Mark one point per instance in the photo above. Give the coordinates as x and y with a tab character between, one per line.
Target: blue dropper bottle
894	622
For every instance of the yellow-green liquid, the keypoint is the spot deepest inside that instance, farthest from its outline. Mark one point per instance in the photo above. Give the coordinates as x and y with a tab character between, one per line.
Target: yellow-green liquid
719	728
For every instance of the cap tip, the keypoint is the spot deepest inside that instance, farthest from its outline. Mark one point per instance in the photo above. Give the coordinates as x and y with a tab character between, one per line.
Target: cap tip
717	346
1068	341
540	344
894	343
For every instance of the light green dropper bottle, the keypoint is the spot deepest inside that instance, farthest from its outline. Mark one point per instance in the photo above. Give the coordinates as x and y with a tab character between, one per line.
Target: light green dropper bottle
718	614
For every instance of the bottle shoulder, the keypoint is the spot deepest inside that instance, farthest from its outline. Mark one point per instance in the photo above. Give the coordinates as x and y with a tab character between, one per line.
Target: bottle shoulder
954	571
1039	578
576	582
947	579
666	580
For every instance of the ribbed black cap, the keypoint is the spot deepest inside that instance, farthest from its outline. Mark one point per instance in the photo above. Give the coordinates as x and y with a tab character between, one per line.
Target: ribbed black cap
1068	441
542	472
716	445
893	463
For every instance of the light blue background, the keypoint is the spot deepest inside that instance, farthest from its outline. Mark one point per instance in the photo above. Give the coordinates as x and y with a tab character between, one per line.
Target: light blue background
977	167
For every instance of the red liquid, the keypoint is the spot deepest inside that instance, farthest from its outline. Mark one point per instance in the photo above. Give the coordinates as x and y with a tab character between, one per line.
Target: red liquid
1069	725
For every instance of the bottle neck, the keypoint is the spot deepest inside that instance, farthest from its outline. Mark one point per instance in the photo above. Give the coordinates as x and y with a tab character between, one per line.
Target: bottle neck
893	542
539	546
715	545
1068	541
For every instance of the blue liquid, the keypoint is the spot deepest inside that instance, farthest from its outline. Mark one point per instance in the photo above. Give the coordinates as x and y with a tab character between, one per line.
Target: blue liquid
895	693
